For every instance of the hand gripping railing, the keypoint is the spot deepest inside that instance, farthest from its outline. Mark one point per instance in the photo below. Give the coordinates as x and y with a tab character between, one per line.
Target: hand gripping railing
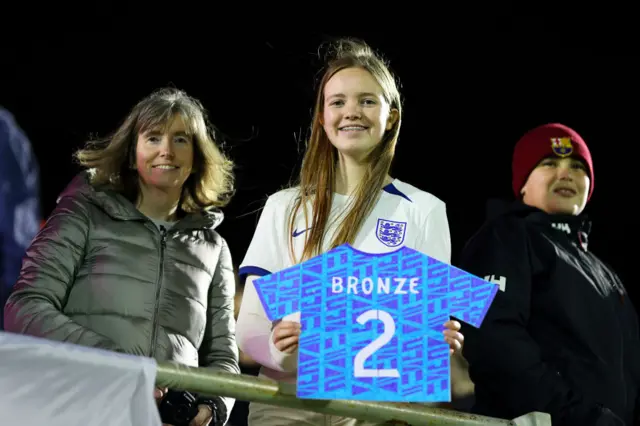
255	389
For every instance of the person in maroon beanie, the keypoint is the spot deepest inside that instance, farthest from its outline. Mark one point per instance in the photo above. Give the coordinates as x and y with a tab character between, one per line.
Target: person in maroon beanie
561	337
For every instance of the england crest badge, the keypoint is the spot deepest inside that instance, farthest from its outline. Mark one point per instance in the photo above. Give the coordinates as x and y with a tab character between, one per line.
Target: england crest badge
390	233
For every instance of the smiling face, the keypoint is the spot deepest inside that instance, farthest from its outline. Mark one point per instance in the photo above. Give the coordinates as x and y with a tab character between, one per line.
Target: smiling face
164	156
355	112
558	185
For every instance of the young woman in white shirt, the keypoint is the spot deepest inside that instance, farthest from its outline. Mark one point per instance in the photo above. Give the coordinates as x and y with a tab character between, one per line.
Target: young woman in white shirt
344	189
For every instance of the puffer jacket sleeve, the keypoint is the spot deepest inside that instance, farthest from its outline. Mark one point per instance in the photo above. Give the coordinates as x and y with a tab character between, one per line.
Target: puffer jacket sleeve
219	349
48	272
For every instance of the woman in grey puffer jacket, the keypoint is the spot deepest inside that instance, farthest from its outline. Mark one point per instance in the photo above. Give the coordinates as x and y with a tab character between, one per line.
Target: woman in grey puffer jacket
129	259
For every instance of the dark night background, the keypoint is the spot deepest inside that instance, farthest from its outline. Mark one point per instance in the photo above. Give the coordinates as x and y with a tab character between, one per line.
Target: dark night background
472	84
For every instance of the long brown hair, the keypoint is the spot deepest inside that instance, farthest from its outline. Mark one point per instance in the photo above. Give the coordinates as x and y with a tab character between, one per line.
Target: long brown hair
317	175
112	159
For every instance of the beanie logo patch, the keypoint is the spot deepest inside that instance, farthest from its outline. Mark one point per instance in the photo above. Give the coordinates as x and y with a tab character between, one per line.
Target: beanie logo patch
562	146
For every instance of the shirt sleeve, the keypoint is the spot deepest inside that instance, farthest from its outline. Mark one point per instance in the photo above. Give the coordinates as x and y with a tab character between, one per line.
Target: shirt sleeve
267	254
19	202
436	240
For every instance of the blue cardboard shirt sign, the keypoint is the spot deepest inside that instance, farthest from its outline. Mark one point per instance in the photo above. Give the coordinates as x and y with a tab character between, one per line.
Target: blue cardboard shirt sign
372	323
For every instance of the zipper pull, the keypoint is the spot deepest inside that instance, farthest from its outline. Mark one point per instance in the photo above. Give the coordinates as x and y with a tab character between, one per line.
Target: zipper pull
163	233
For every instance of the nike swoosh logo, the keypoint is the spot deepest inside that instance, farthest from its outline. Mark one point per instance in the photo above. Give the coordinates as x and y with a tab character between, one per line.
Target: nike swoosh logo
297	233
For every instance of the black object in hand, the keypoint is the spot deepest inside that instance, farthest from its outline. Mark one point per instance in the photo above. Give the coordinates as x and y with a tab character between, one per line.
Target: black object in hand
178	408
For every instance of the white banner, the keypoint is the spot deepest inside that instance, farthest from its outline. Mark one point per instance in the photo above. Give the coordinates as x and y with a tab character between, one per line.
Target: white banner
46	383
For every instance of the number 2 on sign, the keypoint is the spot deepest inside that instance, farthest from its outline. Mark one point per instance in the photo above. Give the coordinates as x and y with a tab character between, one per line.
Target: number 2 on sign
364	354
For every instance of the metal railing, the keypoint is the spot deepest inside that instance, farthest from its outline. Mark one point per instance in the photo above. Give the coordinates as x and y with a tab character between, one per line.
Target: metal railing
255	389
58	359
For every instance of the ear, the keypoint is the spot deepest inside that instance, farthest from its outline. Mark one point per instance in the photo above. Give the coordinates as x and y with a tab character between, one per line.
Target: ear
393	118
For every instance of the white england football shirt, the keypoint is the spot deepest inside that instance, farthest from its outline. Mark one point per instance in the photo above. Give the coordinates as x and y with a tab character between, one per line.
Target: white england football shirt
403	216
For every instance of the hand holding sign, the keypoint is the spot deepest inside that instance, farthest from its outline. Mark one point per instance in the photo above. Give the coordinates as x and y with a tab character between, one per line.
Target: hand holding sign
453	336
286	335
372	325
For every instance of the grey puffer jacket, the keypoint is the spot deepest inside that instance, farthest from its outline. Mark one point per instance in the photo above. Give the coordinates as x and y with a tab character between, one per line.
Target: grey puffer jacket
103	275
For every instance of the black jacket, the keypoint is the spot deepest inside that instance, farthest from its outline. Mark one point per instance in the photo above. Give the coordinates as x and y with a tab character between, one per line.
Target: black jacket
562	335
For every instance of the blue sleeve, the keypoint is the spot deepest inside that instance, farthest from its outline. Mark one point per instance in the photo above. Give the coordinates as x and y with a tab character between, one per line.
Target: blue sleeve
280	292
469	296
19	202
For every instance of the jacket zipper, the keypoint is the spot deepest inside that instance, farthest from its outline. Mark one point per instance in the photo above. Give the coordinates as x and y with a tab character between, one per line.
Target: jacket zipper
154	330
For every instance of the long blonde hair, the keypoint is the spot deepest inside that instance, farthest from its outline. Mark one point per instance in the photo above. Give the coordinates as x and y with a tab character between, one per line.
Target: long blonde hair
112	158
317	176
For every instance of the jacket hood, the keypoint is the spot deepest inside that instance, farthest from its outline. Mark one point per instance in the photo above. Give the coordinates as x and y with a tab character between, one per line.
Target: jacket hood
118	207
498	207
